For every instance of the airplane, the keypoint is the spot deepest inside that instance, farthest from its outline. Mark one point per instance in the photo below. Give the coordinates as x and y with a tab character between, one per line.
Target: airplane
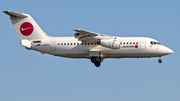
84	44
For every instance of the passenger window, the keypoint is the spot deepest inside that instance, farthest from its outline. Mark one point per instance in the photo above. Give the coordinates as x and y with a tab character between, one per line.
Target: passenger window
58	44
77	43
64	43
133	42
61	43
88	43
124	43
136	42
74	43
91	43
84	43
127	43
94	43
68	44
71	43
130	42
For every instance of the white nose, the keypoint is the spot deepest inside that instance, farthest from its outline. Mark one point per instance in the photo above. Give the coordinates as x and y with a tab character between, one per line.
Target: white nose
169	51
166	50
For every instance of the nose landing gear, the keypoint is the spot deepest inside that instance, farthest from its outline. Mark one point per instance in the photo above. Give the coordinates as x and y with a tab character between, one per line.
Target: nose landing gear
160	61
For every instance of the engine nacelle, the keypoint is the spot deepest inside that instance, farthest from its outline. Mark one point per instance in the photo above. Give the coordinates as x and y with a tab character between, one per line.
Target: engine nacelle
110	43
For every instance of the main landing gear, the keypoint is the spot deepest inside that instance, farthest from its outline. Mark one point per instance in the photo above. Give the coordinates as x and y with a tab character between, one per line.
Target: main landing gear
96	61
160	61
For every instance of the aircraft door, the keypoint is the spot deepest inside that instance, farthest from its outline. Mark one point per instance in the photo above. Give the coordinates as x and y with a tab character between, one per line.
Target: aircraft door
143	44
53	46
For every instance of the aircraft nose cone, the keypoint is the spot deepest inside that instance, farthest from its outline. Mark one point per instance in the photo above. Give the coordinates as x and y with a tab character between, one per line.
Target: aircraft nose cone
169	51
165	50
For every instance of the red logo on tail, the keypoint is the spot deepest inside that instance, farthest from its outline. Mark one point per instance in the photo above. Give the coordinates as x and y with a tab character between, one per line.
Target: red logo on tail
26	29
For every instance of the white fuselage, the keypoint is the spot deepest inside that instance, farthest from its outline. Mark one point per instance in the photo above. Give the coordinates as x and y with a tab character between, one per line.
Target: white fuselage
84	44
70	47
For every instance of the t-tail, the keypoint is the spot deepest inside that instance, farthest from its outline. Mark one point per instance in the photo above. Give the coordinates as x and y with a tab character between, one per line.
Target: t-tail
26	28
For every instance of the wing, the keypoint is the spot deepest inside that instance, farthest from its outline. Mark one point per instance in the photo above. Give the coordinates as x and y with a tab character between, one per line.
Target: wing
86	36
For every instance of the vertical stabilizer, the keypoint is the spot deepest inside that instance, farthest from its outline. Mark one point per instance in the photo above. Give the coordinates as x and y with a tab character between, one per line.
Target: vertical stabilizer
25	26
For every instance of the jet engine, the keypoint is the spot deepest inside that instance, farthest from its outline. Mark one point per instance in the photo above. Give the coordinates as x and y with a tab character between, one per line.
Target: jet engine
110	43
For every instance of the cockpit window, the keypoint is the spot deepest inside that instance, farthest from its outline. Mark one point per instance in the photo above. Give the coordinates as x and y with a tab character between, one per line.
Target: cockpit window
154	43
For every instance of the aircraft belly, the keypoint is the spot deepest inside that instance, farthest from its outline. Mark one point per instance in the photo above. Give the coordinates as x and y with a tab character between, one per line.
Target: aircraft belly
73	55
72	52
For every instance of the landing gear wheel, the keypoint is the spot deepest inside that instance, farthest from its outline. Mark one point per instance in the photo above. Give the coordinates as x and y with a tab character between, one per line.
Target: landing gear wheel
96	60
93	59
97	63
160	61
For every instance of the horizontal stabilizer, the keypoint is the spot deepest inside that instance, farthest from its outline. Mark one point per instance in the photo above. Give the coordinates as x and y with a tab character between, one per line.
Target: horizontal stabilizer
13	14
26	43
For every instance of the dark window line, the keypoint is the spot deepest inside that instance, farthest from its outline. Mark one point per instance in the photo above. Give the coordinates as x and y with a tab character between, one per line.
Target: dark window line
130	43
77	43
127	43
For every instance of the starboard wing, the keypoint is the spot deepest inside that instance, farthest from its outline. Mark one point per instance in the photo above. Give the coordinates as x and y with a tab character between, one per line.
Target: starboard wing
86	36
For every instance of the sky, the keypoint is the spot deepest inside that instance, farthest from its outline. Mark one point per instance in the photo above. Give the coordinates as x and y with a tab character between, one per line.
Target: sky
27	75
